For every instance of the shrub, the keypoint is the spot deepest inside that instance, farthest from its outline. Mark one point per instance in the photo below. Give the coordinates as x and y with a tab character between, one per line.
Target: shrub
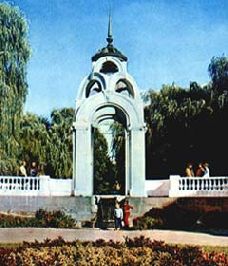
43	218
215	219
147	222
175	217
56	219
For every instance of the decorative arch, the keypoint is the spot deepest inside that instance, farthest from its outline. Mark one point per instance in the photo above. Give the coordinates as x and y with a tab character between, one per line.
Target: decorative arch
92	88
109	67
86	112
121	66
87	84
92	112
124	87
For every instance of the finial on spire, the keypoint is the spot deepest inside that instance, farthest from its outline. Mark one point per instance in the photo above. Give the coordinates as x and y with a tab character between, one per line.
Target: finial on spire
109	38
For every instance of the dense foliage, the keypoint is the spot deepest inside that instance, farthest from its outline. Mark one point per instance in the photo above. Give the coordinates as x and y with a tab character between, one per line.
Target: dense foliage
14	55
218	70
104	170
49	143
109	162
118	151
137	251
42	218
186	125
176	217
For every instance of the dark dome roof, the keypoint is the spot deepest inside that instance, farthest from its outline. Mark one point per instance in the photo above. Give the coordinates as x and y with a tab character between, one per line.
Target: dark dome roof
109	50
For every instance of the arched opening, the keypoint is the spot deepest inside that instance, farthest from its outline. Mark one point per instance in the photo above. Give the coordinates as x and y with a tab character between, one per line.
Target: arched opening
109	67
93	88
109	152
124	87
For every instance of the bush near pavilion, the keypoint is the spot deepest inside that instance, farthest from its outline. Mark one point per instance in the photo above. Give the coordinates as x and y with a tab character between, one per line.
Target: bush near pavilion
42	218
176	217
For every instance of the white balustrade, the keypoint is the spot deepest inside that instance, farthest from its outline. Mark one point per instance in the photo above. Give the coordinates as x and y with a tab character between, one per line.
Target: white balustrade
34	186
198	186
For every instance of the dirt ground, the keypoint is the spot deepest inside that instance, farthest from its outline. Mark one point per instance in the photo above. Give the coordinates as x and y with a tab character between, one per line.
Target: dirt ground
17	235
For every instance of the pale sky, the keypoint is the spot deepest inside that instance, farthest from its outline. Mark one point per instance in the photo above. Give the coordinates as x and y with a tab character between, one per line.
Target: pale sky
165	41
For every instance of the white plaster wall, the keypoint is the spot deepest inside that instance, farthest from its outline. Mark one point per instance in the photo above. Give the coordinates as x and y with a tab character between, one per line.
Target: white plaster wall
60	187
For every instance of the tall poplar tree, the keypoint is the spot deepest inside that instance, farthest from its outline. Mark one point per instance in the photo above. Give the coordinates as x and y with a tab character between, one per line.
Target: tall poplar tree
14	55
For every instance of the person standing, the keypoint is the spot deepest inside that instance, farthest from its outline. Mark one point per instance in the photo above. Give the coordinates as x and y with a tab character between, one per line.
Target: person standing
118	216
22	169
189	170
116	188
33	169
206	169
126	213
200	170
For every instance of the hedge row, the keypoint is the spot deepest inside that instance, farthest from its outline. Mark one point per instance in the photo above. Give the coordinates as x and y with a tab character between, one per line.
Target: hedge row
42	218
175	217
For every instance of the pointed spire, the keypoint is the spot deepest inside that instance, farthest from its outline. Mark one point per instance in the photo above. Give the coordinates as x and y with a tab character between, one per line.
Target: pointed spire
109	50
109	38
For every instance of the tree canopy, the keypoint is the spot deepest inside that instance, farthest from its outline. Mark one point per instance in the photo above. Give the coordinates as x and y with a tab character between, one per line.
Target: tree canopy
186	125
218	71
14	55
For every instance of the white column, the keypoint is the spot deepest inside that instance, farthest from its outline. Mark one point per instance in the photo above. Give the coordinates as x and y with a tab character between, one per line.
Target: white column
127	164
74	154
84	161
137	162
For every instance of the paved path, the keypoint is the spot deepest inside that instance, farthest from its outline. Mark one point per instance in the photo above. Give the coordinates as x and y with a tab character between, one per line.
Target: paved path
17	235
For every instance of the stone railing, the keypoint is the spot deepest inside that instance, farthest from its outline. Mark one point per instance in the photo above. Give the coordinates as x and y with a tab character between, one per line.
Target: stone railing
34	186
198	186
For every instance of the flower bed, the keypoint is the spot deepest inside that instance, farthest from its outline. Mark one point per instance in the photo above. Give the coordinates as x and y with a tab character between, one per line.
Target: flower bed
137	251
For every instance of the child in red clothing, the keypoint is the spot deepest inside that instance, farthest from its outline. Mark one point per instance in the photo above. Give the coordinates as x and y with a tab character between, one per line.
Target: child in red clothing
126	213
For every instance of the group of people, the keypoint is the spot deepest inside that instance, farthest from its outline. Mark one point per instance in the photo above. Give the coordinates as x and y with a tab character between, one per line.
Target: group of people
24	170
122	215
202	170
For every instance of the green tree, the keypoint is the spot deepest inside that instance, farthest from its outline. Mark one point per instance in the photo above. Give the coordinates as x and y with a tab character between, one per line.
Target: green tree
118	153
59	150
34	139
104	171
49	143
218	71
175	120
14	55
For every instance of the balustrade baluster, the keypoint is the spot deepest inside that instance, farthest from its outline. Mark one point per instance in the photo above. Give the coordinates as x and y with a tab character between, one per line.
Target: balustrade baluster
7	185
33	184
220	184
204	184
180	184
18	184
194	184
212	184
